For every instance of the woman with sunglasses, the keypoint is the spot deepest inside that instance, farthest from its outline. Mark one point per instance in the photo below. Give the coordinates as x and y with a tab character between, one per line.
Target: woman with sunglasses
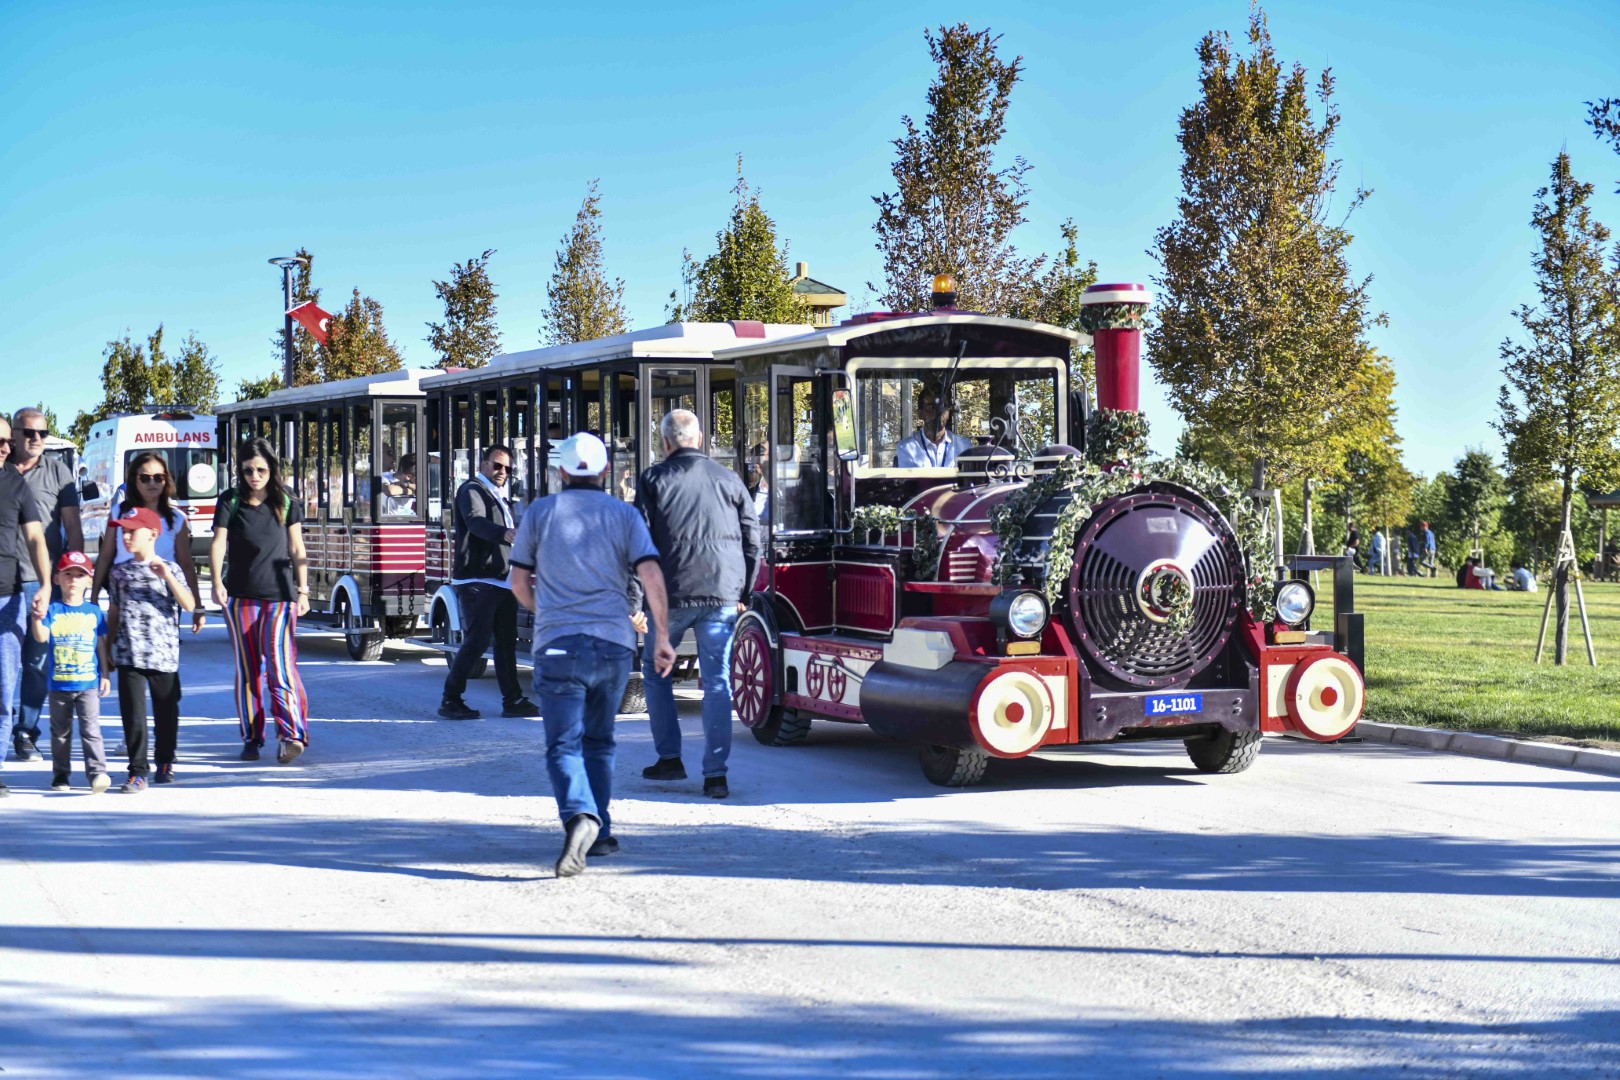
261	576
147	483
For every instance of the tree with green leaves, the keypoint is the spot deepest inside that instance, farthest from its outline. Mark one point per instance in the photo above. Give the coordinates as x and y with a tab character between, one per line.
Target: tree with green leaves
1560	405
50	418
1475	496
1055	297
468	337
357	342
1259	328
253	389
306	350
1604	116
582	302
747	277
195	379
955	205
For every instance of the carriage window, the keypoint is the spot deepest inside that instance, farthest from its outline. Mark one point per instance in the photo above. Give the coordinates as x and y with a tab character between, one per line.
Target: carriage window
590	403
519	436
308	465
398	441
360	456
461	441
667	389
1015	407
558	420
337	460
722	433
622	447
800	496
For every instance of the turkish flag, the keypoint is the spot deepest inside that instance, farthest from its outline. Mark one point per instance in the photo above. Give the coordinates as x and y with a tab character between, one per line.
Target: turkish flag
313	319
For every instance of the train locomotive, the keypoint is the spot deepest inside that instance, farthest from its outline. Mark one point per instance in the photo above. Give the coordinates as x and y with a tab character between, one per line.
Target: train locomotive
962	553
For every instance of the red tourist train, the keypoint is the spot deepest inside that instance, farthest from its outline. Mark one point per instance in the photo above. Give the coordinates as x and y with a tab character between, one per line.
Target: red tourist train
1004	596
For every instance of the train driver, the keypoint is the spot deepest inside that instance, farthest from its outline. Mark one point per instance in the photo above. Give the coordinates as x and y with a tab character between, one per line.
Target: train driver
933	445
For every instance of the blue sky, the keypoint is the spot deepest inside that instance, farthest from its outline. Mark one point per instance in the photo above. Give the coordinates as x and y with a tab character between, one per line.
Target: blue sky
155	155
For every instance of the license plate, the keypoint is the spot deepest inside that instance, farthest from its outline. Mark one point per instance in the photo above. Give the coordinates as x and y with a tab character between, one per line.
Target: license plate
1172	704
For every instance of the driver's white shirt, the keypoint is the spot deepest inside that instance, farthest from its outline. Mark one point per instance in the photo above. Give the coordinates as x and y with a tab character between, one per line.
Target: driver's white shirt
918	451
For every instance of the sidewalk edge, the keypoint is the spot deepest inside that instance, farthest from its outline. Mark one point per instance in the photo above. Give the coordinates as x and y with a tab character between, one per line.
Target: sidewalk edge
1474	744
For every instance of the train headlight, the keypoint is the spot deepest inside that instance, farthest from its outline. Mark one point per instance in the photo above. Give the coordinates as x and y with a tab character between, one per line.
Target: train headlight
1294	602
1023	613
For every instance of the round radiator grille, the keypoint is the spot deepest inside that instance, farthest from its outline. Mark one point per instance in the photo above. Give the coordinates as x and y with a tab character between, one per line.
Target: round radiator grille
1129	543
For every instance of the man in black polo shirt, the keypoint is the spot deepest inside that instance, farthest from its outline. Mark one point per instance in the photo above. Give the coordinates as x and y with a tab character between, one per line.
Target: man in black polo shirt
22	541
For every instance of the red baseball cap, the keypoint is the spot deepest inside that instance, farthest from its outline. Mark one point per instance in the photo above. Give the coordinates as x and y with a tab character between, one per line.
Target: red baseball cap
75	560
141	518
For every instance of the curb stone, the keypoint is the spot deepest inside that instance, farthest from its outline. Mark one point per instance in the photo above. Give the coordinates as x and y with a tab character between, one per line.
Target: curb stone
1491	746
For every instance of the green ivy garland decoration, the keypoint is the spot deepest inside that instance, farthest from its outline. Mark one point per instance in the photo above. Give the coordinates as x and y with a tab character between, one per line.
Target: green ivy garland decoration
1172	594
1119	316
1091	486
1116	435
925	543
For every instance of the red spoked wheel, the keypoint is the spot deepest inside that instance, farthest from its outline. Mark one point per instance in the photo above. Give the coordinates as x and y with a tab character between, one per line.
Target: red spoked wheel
753	685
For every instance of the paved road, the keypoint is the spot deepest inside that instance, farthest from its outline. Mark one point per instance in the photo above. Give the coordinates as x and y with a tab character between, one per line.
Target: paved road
386	907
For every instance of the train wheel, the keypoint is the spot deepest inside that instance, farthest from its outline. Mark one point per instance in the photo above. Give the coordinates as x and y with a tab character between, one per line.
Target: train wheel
949	766
635	695
363	643
753	687
1227	752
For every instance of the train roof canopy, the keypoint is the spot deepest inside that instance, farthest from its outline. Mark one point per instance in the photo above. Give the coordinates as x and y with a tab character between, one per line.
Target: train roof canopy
859	327
682	340
402	383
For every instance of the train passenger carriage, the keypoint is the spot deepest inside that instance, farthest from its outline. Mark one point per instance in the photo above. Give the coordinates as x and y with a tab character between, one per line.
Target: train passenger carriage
354	456
905	452
617	387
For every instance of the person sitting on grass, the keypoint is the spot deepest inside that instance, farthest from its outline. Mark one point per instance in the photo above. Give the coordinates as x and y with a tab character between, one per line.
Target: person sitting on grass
75	632
1523	579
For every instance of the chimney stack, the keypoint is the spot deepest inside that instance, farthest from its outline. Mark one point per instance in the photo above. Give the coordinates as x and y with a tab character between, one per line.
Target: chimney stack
1112	315
801	270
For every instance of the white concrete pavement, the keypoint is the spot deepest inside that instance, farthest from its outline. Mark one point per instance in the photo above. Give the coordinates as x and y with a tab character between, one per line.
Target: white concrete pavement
386	907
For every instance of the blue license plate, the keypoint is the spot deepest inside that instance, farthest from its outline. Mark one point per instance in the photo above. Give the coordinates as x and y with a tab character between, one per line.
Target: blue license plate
1172	704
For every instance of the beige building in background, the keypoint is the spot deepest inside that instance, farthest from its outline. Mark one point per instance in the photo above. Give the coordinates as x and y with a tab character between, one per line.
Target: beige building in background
821	298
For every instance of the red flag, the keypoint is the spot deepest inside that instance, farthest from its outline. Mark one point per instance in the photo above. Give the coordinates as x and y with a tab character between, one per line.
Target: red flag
313	319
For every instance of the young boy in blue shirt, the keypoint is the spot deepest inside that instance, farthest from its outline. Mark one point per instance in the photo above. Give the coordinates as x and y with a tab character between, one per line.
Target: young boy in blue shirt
76	632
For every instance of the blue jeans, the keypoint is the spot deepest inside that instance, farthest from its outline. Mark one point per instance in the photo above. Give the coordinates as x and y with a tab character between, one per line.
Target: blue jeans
28	701
713	627
580	680
13	621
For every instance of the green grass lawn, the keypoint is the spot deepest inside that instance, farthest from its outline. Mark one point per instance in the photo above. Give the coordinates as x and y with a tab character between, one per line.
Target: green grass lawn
1440	656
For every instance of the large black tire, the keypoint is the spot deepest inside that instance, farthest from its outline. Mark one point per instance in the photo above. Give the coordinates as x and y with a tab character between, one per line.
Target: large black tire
949	766
1227	752
790	728
635	695
362	642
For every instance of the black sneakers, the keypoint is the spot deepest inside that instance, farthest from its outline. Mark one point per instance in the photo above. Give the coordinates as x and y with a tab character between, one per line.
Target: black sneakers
457	710
250	752
164	775
581	835
667	768
60	782
24	749
715	787
521	708
605	845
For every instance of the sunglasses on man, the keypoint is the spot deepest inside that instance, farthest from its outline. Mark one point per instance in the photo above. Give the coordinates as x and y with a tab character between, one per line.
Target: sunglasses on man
33	433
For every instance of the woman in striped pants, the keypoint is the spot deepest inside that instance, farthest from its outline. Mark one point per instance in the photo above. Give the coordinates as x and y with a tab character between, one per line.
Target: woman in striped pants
261	578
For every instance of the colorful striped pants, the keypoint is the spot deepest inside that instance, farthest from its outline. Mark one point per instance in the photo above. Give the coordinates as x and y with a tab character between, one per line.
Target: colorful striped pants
262	638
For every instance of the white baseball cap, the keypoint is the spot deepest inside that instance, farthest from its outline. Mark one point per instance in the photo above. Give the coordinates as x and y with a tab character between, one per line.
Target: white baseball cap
583	454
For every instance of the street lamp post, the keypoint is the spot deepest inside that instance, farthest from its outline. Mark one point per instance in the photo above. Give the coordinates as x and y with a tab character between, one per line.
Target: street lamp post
288	264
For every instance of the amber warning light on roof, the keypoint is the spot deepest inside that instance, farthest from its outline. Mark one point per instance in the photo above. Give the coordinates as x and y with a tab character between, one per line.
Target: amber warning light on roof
944	294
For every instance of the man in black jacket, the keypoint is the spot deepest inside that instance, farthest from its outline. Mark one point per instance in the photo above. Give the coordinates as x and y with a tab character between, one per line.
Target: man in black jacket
485	526
702	522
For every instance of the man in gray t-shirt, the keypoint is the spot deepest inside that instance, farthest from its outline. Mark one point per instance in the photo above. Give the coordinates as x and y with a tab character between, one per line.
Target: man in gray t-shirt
572	561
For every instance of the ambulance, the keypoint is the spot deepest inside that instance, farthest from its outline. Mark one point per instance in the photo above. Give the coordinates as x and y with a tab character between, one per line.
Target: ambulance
188	442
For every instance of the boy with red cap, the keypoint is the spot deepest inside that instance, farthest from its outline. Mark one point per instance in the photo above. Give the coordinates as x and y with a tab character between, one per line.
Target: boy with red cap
147	595
75	634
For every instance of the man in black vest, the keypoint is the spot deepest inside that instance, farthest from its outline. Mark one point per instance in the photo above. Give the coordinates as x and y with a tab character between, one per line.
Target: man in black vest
485	526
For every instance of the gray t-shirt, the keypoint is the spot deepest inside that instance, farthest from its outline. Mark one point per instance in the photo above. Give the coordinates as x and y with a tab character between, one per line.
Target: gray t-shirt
583	546
54	487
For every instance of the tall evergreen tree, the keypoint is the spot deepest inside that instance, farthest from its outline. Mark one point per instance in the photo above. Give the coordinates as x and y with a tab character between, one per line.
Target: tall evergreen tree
468	337
1560	406
306	350
1257	320
747	276
582	302
954	206
357	343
